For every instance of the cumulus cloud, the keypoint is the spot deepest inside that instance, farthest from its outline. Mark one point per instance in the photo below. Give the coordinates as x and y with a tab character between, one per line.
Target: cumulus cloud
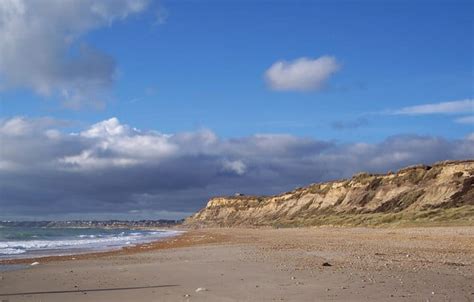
301	74
461	106
236	166
40	47
110	169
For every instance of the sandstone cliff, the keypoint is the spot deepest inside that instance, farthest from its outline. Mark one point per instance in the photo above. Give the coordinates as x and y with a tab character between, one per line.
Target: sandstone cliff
441	193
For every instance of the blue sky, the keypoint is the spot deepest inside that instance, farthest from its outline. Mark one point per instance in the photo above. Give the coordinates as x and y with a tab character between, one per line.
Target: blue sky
203	67
145	109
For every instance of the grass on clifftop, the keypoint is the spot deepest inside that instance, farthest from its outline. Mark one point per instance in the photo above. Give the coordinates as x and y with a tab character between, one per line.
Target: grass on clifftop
460	216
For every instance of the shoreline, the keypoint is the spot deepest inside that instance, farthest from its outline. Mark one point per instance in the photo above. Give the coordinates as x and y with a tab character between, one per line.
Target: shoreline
185	239
197	236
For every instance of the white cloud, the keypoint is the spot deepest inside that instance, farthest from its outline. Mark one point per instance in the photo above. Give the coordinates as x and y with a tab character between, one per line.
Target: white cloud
115	144
110	127
465	120
301	74
237	166
461	106
21	126
40	47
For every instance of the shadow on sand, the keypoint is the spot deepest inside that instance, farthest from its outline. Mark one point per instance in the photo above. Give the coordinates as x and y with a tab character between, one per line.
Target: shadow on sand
86	290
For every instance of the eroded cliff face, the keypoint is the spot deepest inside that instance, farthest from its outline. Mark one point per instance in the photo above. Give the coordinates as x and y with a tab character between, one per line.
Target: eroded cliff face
412	190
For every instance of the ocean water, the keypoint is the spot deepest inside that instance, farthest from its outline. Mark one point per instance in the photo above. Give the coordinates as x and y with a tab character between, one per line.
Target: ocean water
25	242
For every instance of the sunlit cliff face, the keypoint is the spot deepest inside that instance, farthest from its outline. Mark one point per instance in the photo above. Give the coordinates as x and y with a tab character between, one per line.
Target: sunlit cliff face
423	190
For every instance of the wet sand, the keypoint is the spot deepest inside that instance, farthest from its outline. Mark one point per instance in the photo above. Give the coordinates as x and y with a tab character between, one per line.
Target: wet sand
310	264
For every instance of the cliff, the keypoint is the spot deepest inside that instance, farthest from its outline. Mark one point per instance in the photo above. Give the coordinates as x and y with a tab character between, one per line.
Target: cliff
441	193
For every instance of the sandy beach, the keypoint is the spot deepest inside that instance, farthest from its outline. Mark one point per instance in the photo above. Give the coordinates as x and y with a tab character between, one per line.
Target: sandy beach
300	264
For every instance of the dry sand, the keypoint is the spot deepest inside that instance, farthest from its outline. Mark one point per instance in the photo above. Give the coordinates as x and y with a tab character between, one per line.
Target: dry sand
403	264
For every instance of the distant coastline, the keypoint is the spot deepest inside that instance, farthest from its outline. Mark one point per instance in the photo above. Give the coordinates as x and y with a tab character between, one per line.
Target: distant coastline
93	223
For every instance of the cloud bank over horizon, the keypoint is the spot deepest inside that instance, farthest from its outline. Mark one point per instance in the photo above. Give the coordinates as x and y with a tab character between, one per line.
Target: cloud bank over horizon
112	170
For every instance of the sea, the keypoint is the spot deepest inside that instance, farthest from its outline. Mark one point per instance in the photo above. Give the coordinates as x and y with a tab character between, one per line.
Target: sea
30	242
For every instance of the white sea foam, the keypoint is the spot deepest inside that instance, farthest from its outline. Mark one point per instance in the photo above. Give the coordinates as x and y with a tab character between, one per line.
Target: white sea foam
83	242
11	251
88	236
